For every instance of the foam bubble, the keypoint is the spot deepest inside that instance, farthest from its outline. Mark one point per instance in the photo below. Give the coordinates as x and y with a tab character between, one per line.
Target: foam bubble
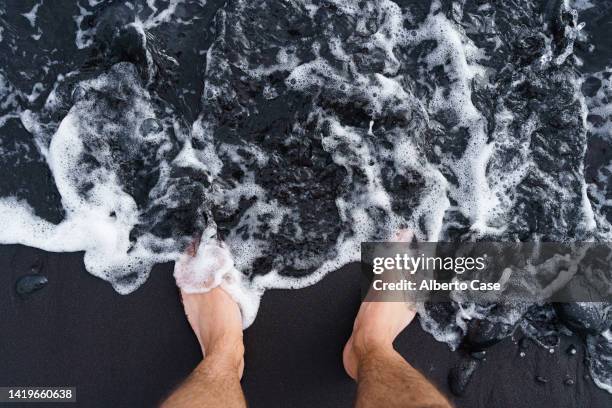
211	267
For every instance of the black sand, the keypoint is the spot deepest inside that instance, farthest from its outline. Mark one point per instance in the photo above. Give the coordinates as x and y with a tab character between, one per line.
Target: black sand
130	351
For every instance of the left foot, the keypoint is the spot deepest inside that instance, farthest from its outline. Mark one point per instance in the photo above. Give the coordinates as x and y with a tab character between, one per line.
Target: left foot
213	315
217	323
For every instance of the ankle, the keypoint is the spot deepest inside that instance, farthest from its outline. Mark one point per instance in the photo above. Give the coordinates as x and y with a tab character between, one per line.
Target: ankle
220	366
226	355
230	346
367	343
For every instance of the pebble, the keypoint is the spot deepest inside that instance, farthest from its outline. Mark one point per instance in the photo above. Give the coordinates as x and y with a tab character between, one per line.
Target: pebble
460	376
569	382
584	317
28	284
478	355
571	350
541	379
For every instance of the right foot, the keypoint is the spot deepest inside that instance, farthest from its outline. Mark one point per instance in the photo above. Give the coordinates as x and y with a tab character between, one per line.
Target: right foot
377	324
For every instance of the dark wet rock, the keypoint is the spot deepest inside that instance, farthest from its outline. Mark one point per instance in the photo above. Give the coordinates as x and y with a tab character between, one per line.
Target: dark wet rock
590	86
36	266
600	358
479	355
591	318
460	375
441	316
116	39
483	333
596	120
529	47
542	326
28	284
553	12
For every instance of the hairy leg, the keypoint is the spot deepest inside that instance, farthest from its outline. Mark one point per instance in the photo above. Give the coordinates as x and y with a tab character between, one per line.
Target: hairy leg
215	382
384	378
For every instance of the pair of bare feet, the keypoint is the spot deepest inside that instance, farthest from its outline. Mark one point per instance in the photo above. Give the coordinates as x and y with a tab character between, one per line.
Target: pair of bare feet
384	378
215	318
216	321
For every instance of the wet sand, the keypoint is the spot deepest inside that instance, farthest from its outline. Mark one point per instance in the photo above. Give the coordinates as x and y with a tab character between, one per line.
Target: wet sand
130	351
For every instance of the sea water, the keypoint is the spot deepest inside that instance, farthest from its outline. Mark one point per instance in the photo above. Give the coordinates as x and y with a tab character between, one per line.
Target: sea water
279	135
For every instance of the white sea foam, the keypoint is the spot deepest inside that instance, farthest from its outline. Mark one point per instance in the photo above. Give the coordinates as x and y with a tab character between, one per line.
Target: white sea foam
473	193
365	71
582	4
31	15
213	266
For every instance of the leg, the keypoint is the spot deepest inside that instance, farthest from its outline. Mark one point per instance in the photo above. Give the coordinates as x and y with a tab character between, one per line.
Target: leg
384	378
216	321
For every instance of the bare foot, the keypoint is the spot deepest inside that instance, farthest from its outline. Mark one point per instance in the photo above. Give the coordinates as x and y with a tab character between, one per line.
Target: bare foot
377	324
217	323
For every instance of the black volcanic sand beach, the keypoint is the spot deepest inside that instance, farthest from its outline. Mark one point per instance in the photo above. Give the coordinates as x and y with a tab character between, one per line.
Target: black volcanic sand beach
130	351
293	131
